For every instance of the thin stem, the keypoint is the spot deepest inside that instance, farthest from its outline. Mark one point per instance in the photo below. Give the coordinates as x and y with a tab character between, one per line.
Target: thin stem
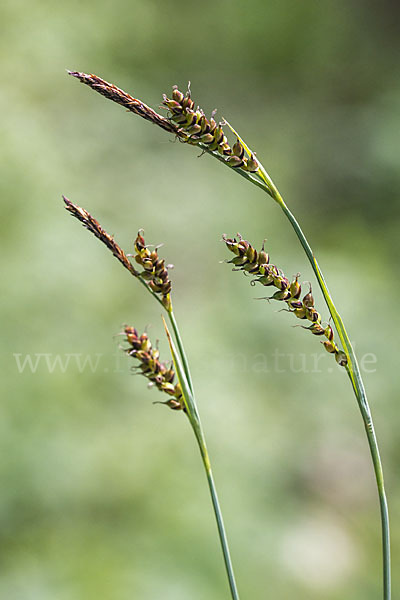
354	374
181	349
194	419
217	510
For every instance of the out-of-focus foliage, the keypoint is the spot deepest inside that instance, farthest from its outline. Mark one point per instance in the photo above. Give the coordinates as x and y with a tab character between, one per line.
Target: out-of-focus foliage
102	493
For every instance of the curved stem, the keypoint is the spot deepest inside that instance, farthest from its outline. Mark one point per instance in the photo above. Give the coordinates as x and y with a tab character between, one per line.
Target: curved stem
355	378
194	420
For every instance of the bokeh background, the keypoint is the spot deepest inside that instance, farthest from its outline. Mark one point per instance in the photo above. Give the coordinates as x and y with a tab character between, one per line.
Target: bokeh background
103	494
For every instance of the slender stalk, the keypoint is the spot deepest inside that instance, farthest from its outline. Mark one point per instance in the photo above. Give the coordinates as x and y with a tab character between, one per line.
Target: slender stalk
194	419
181	349
179	359
354	375
218	514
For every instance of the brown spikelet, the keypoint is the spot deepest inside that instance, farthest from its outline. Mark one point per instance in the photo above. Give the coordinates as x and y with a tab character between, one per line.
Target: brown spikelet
257	263
155	272
158	373
112	92
94	226
188	123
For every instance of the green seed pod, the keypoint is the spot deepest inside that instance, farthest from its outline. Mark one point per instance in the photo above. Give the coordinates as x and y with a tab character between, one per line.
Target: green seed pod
145	343
295	288
193	129
330	346
316	329
207	138
234	161
265	280
238	149
281	295
187	103
312	315
155	355
147	265
212	124
281	282
293	303
166	300
263	258
218	134
167	287
341	358
154	287
177	95
147	275
252	164
173	404
308	299
213	146
250	268
180	119
204	124
172	104
169	375
328	332
239	261
251	254
191	118
300	313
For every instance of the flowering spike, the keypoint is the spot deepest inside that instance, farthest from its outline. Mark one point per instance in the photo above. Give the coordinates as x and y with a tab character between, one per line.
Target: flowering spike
159	374
248	259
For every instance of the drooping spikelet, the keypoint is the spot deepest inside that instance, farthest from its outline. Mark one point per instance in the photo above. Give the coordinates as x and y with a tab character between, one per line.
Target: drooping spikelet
158	373
195	128
249	260
188	123
154	274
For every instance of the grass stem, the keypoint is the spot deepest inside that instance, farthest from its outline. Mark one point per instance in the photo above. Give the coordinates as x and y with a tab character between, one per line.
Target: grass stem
354	373
194	419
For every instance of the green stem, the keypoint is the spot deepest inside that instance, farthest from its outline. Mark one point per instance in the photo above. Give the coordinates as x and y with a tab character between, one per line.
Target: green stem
194	419
181	349
217	509
355	378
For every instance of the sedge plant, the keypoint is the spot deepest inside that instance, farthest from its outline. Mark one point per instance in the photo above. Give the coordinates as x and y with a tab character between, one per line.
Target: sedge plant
152	272
191	126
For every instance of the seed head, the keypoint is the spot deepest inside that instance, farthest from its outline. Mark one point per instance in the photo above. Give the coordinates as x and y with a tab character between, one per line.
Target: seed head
158	373
195	128
155	273
186	121
249	260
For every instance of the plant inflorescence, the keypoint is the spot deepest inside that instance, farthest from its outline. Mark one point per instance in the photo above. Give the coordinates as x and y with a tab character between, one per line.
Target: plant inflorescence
158	373
253	262
191	126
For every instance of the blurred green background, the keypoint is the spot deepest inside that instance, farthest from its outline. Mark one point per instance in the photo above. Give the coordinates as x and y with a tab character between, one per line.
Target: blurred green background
102	493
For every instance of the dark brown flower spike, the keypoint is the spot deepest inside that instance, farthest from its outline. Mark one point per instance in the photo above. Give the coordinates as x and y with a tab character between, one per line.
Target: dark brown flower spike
112	92
186	121
94	227
249	260
158	373
154	273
